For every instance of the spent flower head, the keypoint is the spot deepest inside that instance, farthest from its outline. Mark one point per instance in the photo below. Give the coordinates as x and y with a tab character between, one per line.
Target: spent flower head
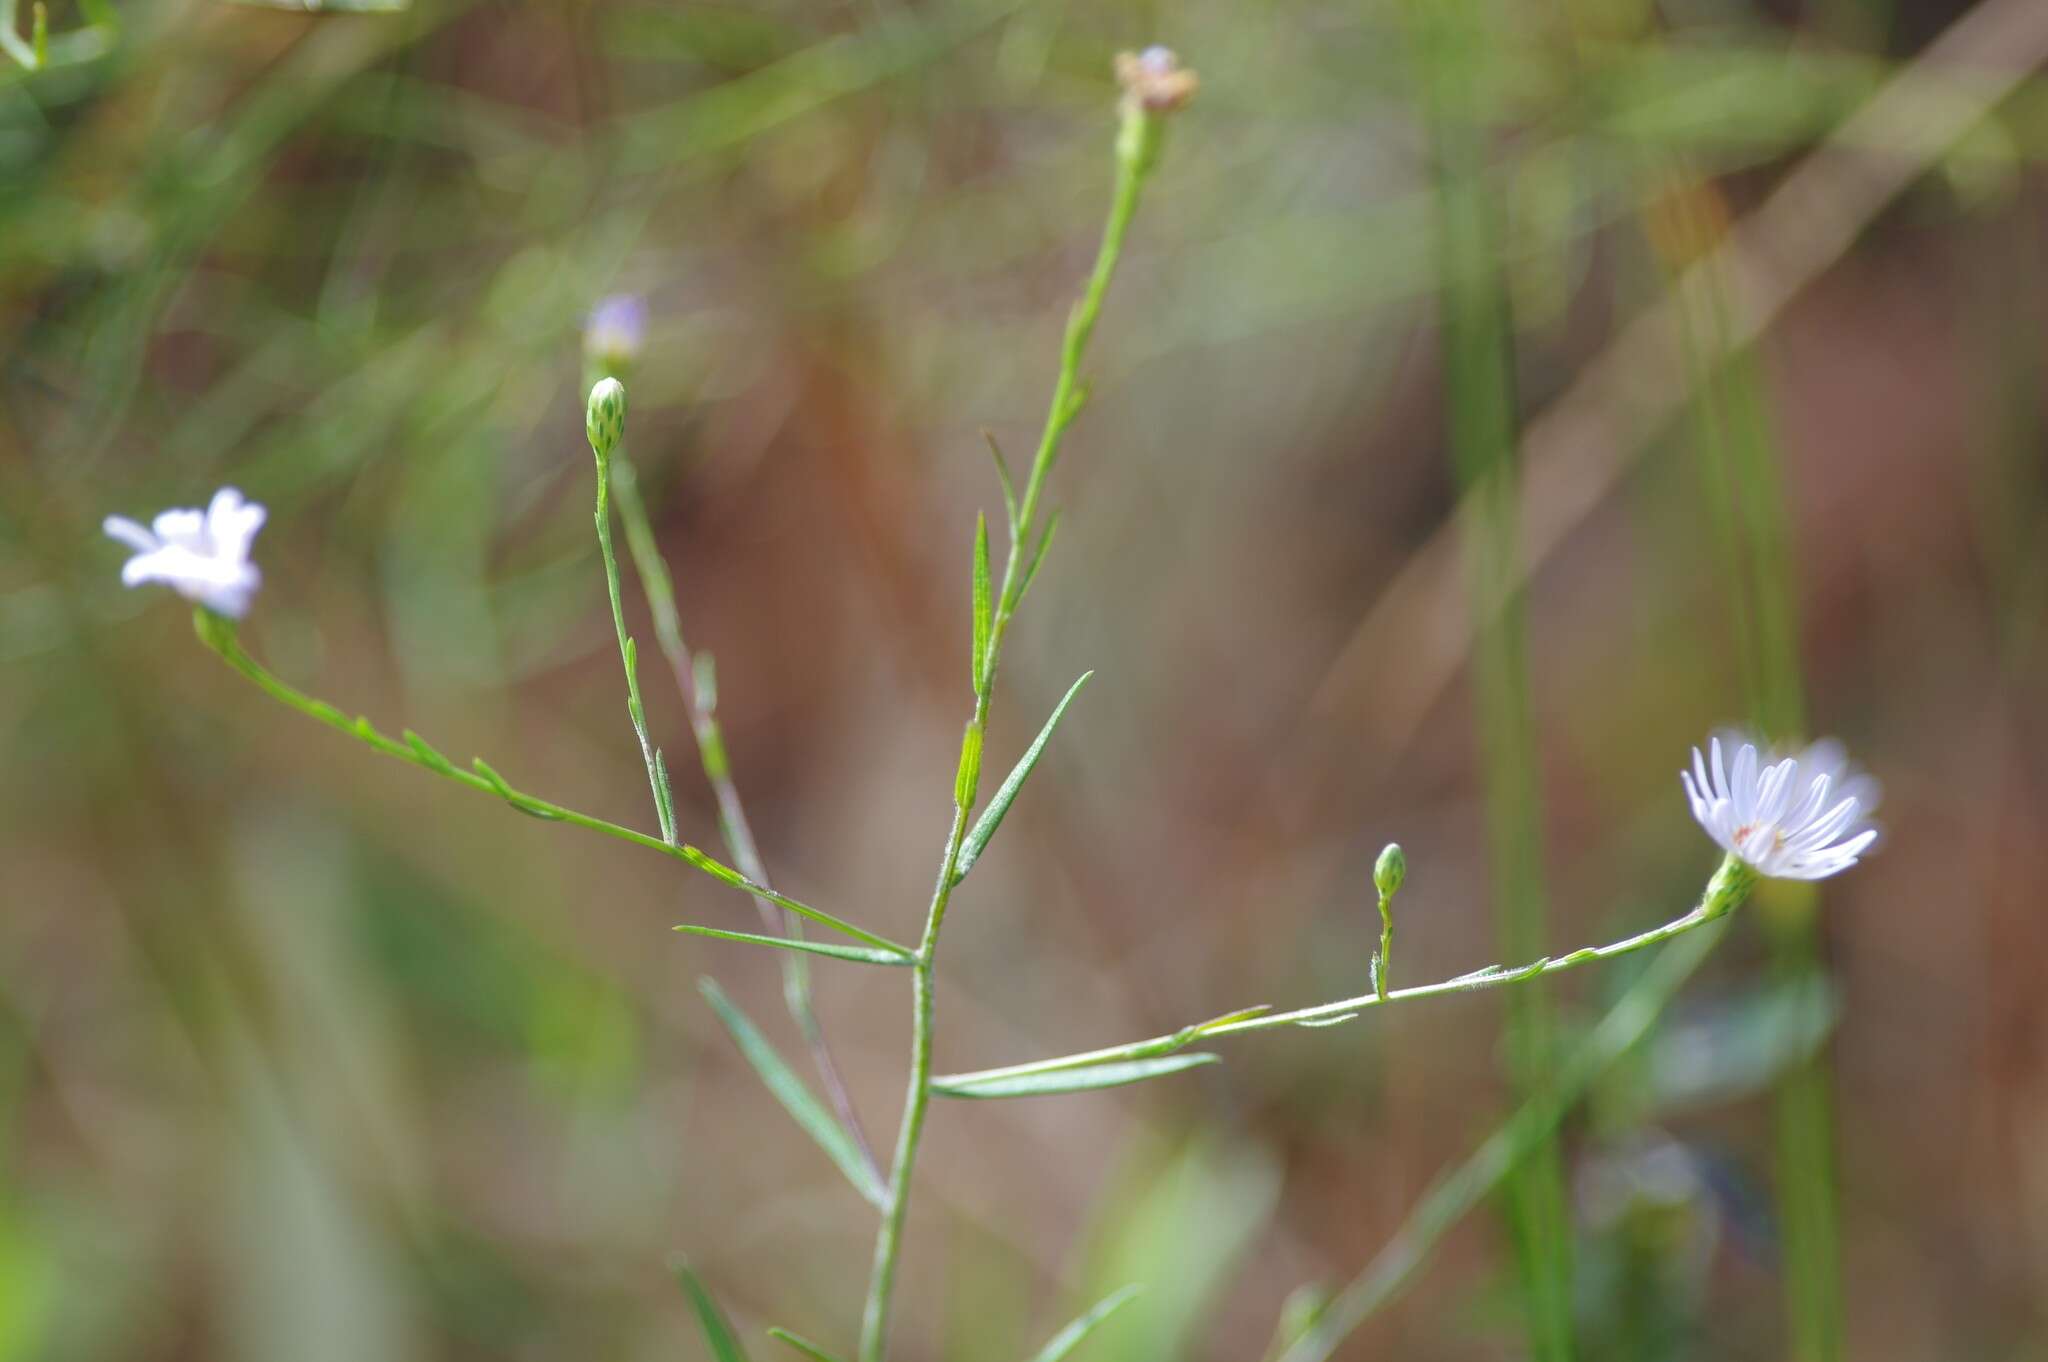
201	555
1803	817
1154	80
615	332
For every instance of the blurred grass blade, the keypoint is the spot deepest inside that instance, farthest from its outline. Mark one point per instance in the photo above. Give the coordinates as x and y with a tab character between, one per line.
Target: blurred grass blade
796	1099
725	1345
1069	1338
981	604
992	817
1071	1080
802	1345
865	955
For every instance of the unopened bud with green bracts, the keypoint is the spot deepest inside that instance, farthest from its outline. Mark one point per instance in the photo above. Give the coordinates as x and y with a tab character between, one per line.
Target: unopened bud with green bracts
1387	873
1390	870
604	421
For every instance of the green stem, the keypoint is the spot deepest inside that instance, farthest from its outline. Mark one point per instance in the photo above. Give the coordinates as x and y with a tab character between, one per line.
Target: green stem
218	633
733	824
1457	1192
628	656
1729	886
1385	965
1136	153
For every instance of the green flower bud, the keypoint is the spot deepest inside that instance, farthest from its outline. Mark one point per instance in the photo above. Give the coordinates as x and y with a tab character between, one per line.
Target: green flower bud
1390	870
604	421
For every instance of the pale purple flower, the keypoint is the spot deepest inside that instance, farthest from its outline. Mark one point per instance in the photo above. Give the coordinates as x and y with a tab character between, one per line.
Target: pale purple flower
616	329
1795	818
201	555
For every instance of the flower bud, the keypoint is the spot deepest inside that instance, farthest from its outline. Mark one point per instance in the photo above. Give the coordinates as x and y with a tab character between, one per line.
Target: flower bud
604	421
1390	870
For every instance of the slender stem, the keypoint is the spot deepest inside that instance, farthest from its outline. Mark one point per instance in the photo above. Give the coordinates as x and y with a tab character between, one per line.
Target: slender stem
1729	886
1453	1195
1383	967
1136	151
218	634
702	701
656	776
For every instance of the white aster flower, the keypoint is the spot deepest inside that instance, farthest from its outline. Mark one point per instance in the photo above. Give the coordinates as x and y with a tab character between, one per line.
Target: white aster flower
202	555
1796	818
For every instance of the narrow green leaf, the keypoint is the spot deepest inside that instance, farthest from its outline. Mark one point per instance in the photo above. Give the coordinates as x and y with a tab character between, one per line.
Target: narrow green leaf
1069	1338
981	604
967	779
428	757
992	817
725	1345
1072	1080
664	797
1003	476
1052	523
719	870
1317	1023
1231	1018
864	954
796	1099
802	1345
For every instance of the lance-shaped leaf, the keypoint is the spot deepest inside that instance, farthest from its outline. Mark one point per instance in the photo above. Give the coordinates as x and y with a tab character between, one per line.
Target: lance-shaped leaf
718	870
992	816
864	954
1070	1080
1003	476
1069	1338
802	1345
983	607
796	1099
725	1345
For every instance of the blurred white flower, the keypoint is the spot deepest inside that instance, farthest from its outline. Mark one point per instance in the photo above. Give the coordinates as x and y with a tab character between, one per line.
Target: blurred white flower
1799	818
202	555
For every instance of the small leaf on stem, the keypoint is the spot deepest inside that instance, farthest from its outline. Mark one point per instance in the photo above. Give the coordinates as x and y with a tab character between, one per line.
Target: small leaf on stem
725	1345
796	1099
1071	1080
981	605
1069	1338
992	817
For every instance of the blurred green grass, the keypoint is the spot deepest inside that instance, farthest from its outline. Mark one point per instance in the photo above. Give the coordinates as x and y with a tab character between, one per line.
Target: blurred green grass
301	1055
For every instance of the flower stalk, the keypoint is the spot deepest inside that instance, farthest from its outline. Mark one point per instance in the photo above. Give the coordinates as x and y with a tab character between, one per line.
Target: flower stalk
1145	106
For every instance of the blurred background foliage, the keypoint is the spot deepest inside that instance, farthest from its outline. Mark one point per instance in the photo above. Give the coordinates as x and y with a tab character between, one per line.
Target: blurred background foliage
302	1055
